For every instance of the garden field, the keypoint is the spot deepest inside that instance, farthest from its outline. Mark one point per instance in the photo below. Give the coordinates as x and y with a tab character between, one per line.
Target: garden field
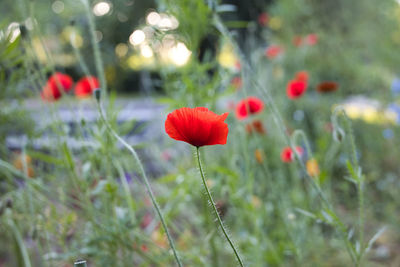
199	133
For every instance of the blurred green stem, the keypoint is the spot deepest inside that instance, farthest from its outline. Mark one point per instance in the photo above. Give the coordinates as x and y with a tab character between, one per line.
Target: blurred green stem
96	50
357	176
146	181
215	209
20	242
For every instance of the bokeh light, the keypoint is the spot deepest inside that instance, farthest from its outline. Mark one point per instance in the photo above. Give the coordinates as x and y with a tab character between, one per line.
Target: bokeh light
137	37
121	50
153	18
179	54
57	6
101	8
146	51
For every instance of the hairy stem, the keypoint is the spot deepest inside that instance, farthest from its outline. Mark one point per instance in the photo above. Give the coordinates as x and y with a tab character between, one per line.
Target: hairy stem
215	209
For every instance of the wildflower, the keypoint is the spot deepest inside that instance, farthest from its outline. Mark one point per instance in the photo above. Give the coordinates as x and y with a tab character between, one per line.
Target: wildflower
256	126
56	85
263	19
259	155
237	82
296	89
311	39
24	161
287	154
312	167
273	51
327	86
302	76
197	126
85	86
297	40
249	106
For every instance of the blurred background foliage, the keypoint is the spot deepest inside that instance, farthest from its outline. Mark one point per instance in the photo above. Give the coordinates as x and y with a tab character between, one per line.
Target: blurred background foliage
89	202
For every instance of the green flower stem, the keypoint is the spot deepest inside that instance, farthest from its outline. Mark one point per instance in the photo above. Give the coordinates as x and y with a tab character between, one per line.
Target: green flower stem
210	227
215	209
96	50
146	181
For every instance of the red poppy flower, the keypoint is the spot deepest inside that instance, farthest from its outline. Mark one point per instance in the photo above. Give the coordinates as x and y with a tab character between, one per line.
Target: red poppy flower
287	154
273	51
312	39
50	93
197	126
248	106
297	40
327	86
296	89
263	19
60	81
85	86
302	76
56	85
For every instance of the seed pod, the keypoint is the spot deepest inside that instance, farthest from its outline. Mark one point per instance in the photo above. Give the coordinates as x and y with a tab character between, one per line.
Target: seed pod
97	94
338	134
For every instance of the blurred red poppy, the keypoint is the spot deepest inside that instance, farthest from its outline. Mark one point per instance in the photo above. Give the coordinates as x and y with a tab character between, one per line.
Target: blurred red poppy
56	85
311	39
197	126
50	93
327	86
287	154
302	76
297	40
296	89
249	106
263	19
85	86
273	51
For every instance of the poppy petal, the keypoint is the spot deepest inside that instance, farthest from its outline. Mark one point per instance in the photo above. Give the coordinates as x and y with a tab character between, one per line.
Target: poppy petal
197	126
